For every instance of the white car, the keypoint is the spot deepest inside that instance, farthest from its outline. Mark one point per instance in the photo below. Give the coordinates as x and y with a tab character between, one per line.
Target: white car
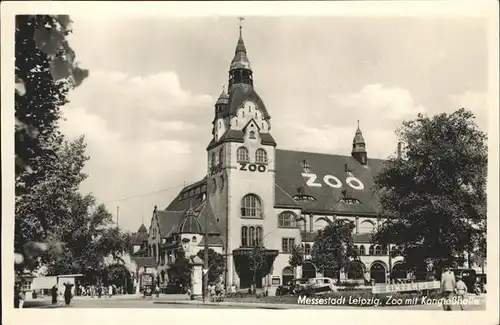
322	284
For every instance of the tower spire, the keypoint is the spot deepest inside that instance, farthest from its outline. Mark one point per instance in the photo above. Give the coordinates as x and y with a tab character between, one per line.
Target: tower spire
359	147
241	25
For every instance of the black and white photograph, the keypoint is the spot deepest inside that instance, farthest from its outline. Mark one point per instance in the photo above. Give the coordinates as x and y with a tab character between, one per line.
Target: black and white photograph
250	159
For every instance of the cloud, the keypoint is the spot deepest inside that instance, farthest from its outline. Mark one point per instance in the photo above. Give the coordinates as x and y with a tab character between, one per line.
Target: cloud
381	110
141	133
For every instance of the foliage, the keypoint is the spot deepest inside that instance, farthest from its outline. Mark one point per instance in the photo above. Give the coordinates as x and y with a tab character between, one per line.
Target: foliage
334	247
180	271
257	262
45	69
297	256
79	234
435	198
216	264
116	274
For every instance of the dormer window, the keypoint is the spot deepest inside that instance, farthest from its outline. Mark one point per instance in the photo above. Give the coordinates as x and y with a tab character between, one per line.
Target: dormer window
252	135
242	154
306	166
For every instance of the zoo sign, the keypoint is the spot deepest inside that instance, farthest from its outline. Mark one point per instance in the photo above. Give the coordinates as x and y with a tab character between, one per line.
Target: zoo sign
252	167
333	181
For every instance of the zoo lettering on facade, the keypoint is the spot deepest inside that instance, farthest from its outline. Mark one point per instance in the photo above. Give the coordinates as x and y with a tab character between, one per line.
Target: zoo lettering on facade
332	181
253	167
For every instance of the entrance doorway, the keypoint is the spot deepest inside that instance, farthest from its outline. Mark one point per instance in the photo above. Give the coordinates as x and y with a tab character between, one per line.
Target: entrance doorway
377	272
287	275
308	270
246	279
398	271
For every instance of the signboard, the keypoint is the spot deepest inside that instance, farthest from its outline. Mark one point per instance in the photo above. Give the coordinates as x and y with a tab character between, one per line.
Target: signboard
147	280
253	167
332	181
417	286
276	281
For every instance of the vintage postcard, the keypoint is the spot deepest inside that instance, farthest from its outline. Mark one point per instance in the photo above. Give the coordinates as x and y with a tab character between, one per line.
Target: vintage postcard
326	159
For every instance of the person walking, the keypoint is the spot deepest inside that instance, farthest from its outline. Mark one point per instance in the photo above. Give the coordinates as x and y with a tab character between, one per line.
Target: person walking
53	293
68	294
110	291
461	291
448	285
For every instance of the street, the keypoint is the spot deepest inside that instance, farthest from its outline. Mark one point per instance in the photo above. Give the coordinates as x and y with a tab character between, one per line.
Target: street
180	301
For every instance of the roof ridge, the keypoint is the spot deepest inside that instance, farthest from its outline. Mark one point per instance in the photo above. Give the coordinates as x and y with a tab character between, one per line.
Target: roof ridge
325	154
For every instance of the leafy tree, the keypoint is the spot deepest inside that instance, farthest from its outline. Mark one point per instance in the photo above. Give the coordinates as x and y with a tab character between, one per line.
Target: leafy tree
45	69
257	262
216	264
296	258
180	271
435	198
334	246
117	274
79	233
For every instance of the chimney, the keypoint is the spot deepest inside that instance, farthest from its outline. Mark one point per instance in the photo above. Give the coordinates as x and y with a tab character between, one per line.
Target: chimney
400	150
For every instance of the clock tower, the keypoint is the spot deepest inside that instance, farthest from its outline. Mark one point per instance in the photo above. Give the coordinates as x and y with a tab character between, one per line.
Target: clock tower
241	167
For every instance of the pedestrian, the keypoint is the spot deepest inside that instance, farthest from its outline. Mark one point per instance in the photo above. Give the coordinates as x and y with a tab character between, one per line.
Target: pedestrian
99	291
110	291
60	296
68	294
53	293
448	284
461	290
157	289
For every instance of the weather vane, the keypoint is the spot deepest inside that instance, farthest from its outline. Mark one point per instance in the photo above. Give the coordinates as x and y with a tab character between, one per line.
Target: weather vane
241	21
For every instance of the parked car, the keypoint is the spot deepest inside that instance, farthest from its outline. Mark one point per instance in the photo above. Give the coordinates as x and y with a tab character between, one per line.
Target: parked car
319	285
293	287
468	276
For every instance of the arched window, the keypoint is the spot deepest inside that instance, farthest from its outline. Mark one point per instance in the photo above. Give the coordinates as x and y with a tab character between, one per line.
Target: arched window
251	236
261	156
242	154
251	206
371	250
287	220
258	236
378	250
307	249
366	227
244	236
361	250
252	135
221	156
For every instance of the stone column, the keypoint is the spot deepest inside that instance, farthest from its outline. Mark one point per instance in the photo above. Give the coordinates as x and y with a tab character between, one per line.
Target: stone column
196	278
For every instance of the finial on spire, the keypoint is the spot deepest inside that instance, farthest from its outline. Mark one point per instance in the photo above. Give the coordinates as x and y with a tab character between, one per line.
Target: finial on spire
241	26
223	89
358	124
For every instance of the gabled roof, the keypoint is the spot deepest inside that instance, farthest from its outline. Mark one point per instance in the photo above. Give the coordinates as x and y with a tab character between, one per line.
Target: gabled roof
289	177
139	238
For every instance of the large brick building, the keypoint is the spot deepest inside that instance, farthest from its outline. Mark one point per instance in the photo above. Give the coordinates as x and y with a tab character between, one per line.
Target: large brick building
254	193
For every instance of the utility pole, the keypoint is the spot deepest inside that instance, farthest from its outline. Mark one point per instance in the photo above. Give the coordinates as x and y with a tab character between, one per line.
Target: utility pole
205	262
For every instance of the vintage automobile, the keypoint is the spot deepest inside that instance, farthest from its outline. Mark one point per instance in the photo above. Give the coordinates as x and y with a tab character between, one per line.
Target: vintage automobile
293	287
469	277
319	285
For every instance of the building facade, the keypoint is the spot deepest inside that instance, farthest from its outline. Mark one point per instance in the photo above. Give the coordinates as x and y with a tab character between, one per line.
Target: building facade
255	193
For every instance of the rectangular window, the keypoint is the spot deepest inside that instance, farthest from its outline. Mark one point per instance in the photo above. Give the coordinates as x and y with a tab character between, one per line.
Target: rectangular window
287	244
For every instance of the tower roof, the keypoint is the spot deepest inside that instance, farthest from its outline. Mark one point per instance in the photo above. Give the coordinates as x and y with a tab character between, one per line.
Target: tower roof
240	59
142	229
223	98
189	224
358	143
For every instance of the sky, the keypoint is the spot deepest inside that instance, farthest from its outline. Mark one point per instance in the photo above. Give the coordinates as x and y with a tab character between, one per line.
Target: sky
148	103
